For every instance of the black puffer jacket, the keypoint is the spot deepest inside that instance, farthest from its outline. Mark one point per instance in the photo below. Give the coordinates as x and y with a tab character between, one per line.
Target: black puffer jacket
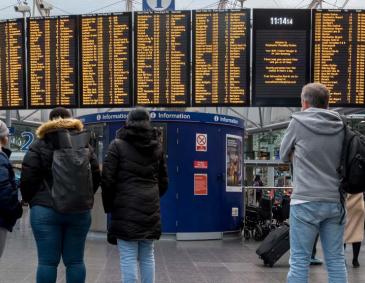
37	163
133	180
10	208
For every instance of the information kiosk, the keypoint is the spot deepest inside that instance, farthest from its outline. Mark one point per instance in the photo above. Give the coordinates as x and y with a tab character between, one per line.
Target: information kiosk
204	153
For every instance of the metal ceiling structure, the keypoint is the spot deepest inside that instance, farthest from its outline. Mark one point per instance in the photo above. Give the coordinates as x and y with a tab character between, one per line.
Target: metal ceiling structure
315	4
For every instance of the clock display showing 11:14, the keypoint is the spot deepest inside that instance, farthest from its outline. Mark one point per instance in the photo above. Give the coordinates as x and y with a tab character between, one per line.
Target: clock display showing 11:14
275	21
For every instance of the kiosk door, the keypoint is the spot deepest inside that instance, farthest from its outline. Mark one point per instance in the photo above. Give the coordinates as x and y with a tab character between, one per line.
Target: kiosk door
168	201
200	181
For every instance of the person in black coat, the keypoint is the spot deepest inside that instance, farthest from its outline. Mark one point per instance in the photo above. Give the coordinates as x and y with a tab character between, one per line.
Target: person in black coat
133	180
56	233
10	208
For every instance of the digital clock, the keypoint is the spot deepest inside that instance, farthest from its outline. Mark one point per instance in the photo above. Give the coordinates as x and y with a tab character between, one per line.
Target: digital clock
281	21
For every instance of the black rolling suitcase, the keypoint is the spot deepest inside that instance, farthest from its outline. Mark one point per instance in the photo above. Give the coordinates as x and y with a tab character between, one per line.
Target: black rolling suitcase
275	245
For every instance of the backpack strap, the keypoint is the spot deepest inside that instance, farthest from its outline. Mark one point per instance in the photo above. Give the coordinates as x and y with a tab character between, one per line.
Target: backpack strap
341	170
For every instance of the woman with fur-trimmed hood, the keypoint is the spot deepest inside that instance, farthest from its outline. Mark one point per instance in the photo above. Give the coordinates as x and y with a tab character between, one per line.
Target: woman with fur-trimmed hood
57	234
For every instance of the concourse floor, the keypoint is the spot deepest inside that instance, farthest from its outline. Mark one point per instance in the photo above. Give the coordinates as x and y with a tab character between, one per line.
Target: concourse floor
228	261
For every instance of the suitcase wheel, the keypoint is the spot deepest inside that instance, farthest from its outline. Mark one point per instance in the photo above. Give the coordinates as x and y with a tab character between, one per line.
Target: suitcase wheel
257	233
246	234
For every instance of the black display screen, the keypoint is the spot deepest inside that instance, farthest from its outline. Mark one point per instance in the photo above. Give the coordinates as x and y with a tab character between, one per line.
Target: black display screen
12	64
106	60
162	58
339	55
221	41
281	56
52	62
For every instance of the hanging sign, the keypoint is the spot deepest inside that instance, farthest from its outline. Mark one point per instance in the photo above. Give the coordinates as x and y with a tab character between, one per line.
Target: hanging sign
158	5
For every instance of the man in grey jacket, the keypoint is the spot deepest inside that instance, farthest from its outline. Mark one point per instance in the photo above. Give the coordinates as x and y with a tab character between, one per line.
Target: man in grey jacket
313	143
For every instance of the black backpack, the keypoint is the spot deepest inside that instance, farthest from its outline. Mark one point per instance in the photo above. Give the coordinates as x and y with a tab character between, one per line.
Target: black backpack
72	189
352	166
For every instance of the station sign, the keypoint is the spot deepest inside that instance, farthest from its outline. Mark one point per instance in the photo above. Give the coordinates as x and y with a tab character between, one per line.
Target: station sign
167	116
158	5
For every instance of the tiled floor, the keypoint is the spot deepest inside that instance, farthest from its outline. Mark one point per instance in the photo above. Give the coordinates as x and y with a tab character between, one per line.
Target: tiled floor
231	260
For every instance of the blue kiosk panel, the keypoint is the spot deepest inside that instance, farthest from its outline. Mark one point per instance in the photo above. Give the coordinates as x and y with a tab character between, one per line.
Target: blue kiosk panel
204	154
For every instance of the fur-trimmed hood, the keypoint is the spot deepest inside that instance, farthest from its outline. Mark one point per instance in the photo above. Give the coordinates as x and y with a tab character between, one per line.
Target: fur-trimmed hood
54	125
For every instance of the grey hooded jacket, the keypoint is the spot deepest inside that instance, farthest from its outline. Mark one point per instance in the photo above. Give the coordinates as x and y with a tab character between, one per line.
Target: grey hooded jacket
314	142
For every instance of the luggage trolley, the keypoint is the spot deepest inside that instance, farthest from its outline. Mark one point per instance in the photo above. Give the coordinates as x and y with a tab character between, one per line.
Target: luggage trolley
268	213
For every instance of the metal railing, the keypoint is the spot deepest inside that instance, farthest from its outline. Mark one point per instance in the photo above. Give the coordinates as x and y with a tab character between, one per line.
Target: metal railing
266	188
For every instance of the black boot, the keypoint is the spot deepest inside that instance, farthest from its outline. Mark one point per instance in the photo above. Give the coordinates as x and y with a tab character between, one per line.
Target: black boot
356	251
355	263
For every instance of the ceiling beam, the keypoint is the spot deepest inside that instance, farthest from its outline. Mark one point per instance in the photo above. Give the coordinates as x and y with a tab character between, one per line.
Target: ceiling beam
30	115
222	4
261	120
315	4
345	4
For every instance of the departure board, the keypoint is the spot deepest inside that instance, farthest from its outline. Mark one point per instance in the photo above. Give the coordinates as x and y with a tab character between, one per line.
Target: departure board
221	57
339	55
12	65
52	62
281	56
105	60
162	58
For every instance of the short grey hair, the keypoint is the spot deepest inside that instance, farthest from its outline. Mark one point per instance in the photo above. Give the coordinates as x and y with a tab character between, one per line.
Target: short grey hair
316	95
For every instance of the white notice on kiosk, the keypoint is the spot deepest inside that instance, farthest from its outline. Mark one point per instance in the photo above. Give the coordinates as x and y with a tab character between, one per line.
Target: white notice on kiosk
234	211
201	142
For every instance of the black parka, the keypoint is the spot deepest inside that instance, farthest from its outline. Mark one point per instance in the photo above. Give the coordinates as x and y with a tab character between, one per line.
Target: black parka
133	180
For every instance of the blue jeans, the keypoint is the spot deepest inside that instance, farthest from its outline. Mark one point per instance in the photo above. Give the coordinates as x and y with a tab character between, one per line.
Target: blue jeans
58	234
130	252
306	221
